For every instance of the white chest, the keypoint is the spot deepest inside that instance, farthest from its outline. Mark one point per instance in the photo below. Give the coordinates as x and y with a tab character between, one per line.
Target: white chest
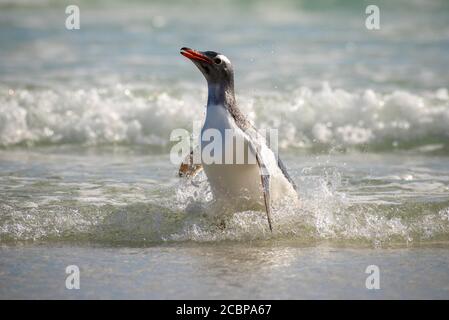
226	176
218	132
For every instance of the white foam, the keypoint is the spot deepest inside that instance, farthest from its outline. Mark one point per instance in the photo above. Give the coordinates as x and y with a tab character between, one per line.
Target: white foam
305	117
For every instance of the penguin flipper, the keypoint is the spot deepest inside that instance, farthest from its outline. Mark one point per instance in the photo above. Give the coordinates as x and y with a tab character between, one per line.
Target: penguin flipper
286	175
265	180
188	169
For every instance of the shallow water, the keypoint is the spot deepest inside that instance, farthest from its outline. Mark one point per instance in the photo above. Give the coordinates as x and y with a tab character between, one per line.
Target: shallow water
122	195
279	270
85	175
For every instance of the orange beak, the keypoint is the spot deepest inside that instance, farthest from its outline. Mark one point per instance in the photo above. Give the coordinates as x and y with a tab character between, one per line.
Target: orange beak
194	55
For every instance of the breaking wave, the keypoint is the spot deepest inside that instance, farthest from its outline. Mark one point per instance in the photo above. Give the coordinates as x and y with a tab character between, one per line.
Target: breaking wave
306	118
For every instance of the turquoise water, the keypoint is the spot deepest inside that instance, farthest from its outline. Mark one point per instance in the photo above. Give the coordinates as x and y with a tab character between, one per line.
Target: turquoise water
85	175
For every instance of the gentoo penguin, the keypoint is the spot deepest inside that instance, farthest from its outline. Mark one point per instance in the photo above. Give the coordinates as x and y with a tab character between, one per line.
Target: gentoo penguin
261	178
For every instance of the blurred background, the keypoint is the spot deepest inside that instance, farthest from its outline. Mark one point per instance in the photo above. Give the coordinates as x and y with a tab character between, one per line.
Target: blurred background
311	65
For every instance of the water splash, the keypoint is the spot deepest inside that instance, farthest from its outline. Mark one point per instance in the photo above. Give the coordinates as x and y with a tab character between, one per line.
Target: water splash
185	211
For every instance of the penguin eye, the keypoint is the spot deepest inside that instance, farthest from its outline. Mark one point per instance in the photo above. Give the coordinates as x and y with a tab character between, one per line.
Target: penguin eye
217	60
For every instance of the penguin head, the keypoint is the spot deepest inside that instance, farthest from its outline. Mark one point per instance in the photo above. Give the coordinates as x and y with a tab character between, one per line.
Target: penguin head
215	67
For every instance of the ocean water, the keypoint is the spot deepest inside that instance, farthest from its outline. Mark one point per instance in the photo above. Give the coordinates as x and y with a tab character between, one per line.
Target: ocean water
86	177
